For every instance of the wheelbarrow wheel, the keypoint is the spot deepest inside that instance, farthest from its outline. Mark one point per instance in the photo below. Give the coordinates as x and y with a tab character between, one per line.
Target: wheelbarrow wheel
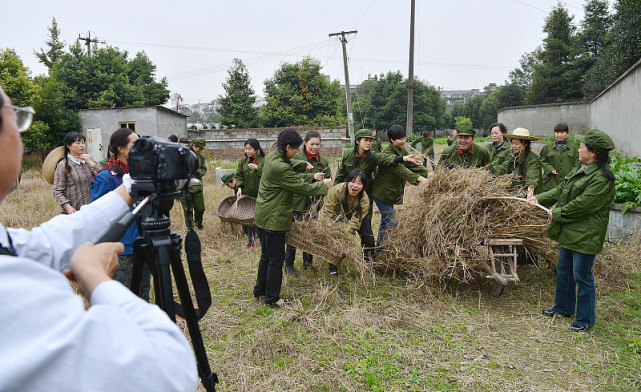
497	289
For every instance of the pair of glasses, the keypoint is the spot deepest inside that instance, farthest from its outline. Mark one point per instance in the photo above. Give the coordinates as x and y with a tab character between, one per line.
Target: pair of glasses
23	116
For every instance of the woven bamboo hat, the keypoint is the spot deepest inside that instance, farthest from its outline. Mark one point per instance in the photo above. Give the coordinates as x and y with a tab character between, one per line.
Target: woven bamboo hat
520	133
50	163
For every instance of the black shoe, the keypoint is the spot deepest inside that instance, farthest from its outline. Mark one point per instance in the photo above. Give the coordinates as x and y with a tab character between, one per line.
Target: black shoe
333	270
291	271
200	227
278	304
552	313
578	328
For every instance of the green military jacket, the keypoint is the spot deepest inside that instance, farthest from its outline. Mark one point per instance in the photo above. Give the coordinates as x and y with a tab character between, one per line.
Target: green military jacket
476	156
552	158
321	165
333	208
278	184
389	184
202	167
427	146
248	179
347	164
376	146
531	176
498	155
582	211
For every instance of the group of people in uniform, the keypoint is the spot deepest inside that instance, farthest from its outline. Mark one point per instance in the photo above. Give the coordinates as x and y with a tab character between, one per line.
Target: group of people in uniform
290	182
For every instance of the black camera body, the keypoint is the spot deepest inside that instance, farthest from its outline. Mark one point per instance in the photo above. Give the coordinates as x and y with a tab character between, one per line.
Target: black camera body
154	158
160	166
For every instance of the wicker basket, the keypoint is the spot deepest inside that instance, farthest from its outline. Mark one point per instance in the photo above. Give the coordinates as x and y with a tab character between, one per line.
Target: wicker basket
237	210
298	239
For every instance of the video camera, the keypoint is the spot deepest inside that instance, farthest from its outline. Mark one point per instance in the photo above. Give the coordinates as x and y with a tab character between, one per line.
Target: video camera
160	166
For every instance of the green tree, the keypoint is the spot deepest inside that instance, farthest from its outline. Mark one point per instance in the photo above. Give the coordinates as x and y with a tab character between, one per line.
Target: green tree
522	77
488	112
555	79
51	111
473	109
16	80
510	95
107	79
55	47
592	40
462	122
383	102
237	105
298	94
622	51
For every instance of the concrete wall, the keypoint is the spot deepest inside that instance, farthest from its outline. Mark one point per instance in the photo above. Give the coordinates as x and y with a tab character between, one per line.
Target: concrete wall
149	122
617	111
228	143
169	123
541	119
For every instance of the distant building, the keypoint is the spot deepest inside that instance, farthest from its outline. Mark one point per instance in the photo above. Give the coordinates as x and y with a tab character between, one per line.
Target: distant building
99	124
453	97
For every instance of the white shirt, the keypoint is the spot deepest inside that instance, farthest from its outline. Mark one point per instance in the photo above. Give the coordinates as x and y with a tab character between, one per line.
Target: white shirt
48	342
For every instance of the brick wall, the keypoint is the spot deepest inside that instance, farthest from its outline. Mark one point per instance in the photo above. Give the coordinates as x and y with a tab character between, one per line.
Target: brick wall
228	143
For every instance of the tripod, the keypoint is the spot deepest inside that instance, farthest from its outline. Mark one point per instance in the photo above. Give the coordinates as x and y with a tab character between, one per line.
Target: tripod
159	249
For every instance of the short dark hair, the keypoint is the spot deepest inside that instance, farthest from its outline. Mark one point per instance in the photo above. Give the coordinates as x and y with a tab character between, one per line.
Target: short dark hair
173	138
396	132
351	176
310	135
426	134
501	126
184	140
69	139
561	127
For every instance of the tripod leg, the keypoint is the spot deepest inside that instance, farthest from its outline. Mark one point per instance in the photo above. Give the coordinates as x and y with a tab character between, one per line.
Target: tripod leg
209	378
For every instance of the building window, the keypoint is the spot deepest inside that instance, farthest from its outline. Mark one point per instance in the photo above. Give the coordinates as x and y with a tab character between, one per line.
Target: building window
130	125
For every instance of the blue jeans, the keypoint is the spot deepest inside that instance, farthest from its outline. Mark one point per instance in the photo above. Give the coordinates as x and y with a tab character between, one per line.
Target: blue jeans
575	287
388	221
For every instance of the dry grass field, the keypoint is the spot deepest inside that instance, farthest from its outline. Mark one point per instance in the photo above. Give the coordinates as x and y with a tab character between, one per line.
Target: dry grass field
380	333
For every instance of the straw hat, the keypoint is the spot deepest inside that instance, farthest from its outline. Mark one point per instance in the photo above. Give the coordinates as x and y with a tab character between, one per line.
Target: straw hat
50	163
520	133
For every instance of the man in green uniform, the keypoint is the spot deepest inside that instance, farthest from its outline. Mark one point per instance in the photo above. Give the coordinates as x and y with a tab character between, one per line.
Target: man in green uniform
465	152
194	202
559	158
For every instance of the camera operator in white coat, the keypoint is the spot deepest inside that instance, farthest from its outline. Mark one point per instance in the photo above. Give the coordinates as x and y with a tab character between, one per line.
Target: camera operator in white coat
48	341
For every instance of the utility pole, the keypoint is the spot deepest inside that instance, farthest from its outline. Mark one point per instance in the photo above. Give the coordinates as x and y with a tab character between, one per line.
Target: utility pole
89	41
410	80
350	116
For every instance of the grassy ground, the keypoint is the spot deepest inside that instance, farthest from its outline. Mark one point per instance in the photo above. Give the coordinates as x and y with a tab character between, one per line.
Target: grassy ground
380	334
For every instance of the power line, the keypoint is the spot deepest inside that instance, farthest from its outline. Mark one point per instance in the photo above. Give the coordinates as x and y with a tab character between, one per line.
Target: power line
364	13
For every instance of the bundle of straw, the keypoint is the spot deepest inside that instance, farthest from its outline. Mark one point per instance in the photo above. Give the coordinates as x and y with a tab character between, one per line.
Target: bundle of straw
442	226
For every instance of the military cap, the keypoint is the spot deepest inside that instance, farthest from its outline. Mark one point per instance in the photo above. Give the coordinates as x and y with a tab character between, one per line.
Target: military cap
199	142
228	177
466	131
597	139
363	133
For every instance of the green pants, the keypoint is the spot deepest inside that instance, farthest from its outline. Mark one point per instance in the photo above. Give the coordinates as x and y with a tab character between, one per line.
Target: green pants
196	208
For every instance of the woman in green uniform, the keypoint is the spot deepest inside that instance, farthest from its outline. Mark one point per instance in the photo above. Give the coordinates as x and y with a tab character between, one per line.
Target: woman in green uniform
579	223
274	210
347	201
363	158
523	161
377	146
498	150
302	204
559	158
248	174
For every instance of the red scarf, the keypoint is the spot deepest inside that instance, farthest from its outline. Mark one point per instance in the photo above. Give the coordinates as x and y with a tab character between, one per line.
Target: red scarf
310	156
116	166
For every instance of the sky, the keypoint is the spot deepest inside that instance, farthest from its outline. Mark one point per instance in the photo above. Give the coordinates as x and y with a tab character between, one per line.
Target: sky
459	44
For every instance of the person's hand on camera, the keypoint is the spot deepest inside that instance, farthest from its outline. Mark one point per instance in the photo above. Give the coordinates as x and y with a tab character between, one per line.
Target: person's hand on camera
124	190
93	264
